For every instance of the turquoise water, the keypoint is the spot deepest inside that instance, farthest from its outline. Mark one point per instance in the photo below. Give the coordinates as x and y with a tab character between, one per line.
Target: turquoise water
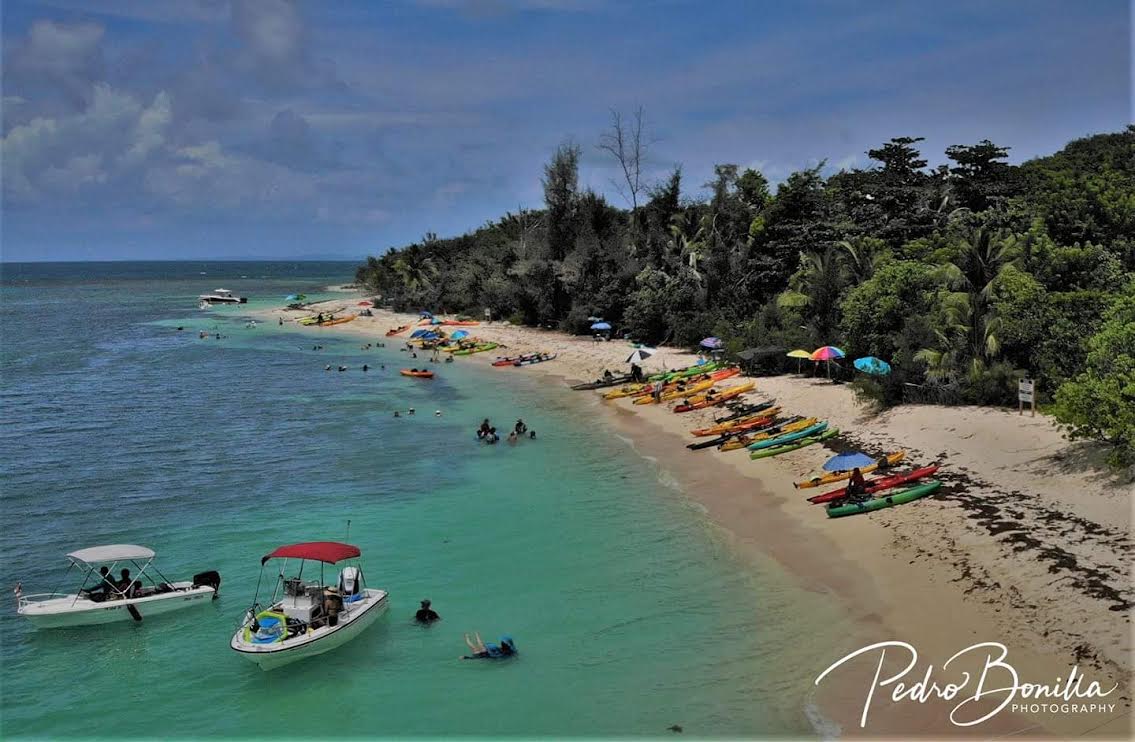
630	610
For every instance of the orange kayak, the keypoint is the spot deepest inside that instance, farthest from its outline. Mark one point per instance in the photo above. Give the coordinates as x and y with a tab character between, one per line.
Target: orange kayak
755	421
711	399
416	373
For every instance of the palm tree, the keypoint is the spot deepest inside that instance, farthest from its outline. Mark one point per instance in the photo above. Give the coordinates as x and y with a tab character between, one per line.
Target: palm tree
969	335
817	285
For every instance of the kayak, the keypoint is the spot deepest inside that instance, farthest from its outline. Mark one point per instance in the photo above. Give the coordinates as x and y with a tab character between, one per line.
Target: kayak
789	437
306	320
712	400
676	393
684	372
460	322
637	390
739	425
898	498
479	348
501	362
336	320
391	333
602	383
758	424
839	476
794	445
416	373
535	359
787	426
744	410
879	484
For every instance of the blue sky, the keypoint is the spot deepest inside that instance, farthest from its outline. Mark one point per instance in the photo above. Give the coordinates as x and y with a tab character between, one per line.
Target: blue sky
265	128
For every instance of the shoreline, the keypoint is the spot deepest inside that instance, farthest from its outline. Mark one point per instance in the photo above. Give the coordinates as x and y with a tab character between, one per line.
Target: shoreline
994	557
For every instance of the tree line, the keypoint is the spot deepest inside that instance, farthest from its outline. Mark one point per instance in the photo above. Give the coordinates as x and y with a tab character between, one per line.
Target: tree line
965	277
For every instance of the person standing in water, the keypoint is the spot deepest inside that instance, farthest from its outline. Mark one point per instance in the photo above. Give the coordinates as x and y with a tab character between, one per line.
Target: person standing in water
426	614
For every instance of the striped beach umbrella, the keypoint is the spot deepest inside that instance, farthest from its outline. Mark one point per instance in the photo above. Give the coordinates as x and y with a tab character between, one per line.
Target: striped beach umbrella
828	353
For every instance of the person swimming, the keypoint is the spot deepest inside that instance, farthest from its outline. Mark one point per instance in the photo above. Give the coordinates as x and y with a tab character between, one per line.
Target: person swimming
482	651
426	614
520	428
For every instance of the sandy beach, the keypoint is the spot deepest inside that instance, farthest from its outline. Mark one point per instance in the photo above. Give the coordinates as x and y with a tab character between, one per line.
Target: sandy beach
1028	543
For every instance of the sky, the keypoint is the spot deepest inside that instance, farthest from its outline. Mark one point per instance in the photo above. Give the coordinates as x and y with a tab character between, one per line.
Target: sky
272	129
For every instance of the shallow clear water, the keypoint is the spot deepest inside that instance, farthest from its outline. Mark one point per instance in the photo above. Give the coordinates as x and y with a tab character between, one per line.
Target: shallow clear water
630	610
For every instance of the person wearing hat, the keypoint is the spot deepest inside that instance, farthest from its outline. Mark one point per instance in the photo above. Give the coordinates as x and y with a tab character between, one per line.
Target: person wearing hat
426	614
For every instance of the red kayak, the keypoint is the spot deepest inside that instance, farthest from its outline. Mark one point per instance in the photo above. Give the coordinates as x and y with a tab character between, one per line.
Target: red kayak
511	361
877	485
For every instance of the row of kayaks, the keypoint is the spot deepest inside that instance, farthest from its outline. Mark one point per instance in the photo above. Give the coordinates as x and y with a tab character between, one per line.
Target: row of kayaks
525	360
760	429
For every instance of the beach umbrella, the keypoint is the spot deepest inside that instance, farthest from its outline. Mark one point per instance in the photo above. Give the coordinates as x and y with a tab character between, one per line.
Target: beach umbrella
601	326
799	355
460	334
828	353
419	333
640	355
712	343
872	365
848	461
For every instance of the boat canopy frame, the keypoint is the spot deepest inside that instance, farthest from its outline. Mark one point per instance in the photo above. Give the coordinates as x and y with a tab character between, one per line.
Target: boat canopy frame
350	553
88	561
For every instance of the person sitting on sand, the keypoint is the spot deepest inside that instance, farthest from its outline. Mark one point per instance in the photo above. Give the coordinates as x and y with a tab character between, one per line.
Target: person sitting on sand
482	651
426	614
857	486
883	463
607	375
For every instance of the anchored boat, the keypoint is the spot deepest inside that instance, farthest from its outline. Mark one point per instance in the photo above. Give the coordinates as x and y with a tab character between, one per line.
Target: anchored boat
305	618
222	296
101	598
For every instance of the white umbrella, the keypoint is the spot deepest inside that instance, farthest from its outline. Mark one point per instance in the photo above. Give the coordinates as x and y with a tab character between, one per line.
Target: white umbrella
640	355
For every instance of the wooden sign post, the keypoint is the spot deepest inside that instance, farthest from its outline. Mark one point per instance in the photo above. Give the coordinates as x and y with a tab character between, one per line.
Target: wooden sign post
1025	394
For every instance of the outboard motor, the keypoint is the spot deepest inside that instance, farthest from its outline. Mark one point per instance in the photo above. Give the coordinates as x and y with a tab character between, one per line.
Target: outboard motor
212	579
349	581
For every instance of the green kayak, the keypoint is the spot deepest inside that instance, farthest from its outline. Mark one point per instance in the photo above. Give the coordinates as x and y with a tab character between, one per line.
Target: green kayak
786	438
792	446
898	498
683	373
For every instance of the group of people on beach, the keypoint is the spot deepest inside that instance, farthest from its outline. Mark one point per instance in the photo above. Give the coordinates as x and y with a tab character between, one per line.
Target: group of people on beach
488	434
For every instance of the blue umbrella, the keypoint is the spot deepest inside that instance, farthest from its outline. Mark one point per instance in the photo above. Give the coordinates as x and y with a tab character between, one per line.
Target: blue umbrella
294	297
872	365
460	334
419	333
712	343
848	461
601	326
424	313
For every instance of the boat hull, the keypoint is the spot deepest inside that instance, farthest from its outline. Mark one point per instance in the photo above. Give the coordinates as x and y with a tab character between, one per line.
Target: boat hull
271	656
66	611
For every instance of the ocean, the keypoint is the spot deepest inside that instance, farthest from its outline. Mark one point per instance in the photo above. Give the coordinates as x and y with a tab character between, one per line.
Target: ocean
631	611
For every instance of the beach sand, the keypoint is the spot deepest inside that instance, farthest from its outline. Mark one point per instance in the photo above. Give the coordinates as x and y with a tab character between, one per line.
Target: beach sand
1027	544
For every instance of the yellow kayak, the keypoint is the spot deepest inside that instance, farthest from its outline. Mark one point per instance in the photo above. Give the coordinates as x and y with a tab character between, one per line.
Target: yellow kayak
626	391
714	397
677	393
839	476
742	441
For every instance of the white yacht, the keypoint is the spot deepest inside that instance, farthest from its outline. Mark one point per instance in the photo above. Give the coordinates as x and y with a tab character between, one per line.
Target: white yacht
103	597
222	296
304	618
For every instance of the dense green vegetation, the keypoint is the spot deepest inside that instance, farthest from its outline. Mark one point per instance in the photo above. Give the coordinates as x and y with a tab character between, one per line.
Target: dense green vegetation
965	277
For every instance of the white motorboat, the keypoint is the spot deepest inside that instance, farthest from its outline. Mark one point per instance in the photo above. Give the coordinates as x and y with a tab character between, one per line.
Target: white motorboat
101	599
222	296
307	618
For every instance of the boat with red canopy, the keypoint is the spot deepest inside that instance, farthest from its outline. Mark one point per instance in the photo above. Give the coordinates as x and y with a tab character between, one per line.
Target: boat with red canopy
306	617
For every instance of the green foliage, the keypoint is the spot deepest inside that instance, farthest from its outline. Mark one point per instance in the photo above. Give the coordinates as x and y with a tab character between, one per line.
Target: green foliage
1099	404
963	276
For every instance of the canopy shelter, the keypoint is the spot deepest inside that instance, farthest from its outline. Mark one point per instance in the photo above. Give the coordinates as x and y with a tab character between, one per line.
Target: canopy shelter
768	356
712	343
601	326
328	552
111	553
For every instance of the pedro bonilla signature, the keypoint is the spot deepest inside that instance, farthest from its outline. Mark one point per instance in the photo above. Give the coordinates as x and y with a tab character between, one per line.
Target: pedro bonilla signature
998	682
